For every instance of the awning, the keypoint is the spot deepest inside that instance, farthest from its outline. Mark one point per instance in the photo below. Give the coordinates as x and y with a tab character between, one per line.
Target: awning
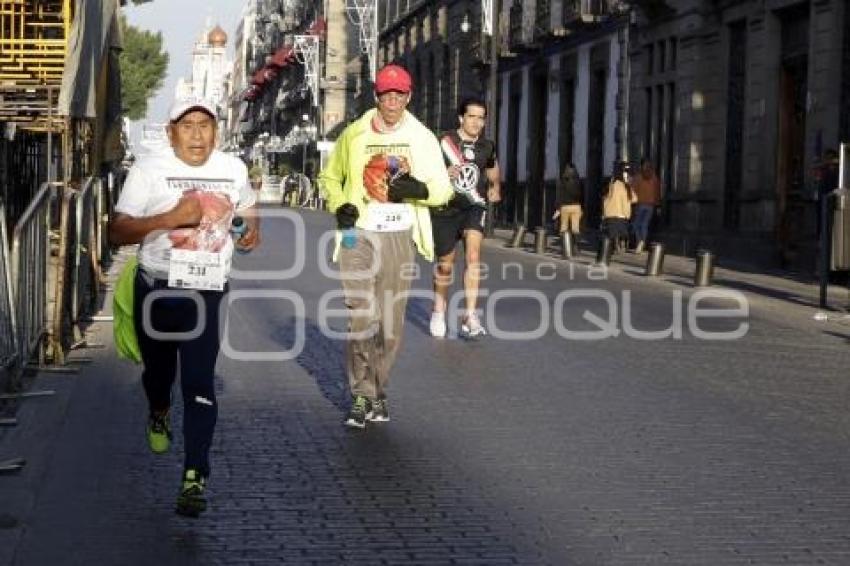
251	92
94	32
264	75
259	78
282	56
319	27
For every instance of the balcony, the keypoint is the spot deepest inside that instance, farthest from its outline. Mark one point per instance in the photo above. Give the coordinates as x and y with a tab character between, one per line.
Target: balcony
577	12
543	20
516	41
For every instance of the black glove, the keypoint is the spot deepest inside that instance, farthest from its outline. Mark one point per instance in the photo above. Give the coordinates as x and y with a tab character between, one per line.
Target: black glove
406	187
346	216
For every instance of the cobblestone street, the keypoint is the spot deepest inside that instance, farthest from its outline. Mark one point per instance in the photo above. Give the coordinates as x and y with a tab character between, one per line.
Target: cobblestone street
549	451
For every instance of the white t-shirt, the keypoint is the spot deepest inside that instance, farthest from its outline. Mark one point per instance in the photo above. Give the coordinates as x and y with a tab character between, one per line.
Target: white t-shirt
157	182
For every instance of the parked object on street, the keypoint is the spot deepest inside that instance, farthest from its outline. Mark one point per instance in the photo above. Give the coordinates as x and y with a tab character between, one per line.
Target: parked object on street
655	260
840	237
517	237
569	246
603	253
541	239
704	272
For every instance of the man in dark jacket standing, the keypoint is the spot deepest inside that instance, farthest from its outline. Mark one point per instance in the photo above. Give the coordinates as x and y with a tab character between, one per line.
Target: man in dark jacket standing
568	200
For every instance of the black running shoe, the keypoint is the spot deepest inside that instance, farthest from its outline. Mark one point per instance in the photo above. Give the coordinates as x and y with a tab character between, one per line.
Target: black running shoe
192	500
380	412
357	414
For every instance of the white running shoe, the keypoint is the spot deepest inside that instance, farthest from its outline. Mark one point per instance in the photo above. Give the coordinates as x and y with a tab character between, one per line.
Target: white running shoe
438	325
471	327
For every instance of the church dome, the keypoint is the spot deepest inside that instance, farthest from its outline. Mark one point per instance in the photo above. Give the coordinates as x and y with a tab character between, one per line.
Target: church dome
217	37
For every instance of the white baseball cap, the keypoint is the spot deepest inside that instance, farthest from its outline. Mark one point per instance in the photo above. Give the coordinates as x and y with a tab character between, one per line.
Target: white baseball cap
183	105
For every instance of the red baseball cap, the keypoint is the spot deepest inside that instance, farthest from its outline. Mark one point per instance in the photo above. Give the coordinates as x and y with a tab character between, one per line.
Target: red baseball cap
392	77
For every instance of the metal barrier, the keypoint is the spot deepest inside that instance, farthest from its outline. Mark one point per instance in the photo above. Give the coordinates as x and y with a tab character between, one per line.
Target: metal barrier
78	271
104	208
84	271
30	255
298	191
8	331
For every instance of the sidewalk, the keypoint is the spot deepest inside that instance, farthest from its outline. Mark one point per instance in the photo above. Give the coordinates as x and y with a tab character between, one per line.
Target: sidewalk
679	270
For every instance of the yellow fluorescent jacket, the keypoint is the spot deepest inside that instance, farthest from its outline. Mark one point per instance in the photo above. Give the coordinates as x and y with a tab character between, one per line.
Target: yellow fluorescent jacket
341	180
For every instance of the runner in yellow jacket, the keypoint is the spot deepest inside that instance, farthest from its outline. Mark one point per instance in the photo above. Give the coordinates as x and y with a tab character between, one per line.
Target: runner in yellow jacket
386	169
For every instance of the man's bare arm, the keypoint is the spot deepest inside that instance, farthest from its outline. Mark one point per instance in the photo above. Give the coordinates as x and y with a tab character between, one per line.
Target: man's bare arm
126	229
494	176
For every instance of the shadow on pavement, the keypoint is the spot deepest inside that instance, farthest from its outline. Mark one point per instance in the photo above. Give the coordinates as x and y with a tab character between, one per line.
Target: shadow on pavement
322	359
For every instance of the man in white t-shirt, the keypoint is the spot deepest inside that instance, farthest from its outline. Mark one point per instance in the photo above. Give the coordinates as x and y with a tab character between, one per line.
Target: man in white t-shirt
180	205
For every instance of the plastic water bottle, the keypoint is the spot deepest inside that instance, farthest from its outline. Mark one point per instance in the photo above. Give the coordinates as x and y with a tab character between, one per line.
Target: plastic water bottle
238	227
349	238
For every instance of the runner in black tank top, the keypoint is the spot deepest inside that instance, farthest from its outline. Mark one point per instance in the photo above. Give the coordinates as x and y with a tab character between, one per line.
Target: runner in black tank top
472	165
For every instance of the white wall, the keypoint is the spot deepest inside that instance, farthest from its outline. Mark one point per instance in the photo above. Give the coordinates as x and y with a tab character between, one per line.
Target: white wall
611	107
552	123
581	108
502	139
522	147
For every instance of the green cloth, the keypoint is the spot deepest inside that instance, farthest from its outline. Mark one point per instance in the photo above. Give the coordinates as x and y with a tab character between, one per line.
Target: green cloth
124	329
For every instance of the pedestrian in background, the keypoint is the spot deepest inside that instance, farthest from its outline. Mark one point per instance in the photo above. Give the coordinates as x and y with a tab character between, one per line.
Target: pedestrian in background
617	200
179	205
647	188
386	169
569	197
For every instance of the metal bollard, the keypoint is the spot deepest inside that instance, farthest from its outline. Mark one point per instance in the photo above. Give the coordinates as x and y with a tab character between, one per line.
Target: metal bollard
567	245
540	240
705	268
603	254
655	261
516	239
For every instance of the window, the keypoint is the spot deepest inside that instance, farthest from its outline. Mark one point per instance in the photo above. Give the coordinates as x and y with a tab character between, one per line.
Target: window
650	54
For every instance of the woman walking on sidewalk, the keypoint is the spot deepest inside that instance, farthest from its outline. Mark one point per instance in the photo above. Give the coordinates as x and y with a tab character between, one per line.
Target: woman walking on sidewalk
617	202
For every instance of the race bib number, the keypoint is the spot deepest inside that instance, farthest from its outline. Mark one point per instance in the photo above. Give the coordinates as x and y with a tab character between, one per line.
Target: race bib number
189	269
389	217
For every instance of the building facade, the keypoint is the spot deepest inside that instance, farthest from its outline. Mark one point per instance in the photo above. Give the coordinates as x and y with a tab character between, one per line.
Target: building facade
735	103
295	82
211	70
560	86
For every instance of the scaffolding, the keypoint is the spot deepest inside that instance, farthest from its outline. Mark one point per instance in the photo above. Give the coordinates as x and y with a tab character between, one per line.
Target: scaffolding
364	15
307	53
33	45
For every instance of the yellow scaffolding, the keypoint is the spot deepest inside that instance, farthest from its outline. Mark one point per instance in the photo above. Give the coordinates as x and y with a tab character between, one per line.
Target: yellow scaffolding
33	43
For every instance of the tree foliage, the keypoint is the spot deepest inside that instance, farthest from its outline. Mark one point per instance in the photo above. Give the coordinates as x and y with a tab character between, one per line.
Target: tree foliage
143	66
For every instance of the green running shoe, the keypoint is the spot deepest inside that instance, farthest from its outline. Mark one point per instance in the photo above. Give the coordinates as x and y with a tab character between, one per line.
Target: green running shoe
159	432
192	500
357	415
